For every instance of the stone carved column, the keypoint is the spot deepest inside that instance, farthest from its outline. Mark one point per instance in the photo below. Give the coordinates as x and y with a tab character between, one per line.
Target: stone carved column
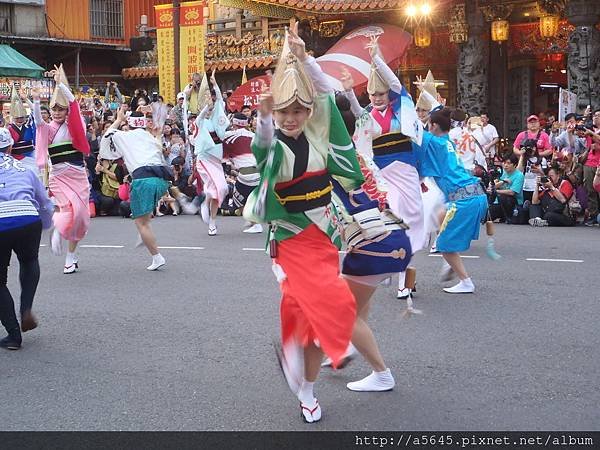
472	71
584	52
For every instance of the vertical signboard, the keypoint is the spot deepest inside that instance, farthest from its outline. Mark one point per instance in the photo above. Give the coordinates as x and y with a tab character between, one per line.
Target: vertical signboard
166	53
192	32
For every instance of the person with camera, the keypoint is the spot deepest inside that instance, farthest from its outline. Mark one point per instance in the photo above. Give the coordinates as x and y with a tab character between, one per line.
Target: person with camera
591	162
533	147
571	139
549	205
192	92
509	191
113	99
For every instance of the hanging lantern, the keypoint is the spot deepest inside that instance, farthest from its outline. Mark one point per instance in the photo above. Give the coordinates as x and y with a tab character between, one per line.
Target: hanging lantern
500	29
422	37
549	24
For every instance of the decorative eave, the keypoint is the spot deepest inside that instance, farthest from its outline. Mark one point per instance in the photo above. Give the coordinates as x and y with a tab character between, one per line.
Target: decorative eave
220	65
335	6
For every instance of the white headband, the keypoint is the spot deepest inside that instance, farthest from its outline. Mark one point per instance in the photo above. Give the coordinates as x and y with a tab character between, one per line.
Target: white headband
137	122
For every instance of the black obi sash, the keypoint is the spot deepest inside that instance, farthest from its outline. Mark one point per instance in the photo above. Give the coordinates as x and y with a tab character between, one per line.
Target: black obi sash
389	143
65	153
309	191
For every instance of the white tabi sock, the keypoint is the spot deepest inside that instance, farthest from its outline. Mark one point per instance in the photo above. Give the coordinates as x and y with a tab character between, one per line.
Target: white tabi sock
70	259
157	261
211	222
375	382
306	394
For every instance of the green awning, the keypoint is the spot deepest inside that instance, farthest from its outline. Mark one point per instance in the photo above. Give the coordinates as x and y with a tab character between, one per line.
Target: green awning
13	64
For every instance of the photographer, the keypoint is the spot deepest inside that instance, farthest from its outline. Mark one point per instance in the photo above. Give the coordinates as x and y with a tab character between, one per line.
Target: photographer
191	92
549	206
509	192
591	161
572	138
140	98
532	146
112	96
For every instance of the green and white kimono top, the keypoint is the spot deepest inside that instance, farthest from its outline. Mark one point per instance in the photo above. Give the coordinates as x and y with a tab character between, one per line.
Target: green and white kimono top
283	162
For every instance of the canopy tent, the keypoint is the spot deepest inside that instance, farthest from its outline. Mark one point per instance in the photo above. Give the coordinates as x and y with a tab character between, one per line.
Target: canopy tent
13	64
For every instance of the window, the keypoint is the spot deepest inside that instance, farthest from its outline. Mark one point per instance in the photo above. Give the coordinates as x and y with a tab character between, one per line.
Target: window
6	12
106	19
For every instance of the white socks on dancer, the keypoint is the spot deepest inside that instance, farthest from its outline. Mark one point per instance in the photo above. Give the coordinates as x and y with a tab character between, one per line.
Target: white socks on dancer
376	382
56	242
309	406
157	261
465	286
70	263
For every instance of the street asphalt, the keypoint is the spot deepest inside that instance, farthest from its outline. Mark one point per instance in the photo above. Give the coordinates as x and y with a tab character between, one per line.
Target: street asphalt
190	347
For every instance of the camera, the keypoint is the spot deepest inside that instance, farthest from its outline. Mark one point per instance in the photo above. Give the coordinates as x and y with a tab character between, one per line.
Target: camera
528	150
581	128
544	179
495	173
155	96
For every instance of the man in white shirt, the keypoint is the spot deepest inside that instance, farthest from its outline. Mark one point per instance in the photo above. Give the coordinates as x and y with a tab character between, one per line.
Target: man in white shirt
487	136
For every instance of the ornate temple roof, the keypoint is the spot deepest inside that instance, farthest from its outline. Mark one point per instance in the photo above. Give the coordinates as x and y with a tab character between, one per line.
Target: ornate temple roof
336	6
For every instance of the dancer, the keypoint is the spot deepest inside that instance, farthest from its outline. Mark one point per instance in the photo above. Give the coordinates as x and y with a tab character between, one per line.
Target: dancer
294	196
236	147
65	142
386	131
24	210
208	146
466	199
377	248
22	131
142	153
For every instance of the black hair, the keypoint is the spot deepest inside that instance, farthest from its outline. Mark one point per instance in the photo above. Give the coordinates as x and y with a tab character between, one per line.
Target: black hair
343	105
458	114
570	116
442	118
512	158
137	114
246	107
240	116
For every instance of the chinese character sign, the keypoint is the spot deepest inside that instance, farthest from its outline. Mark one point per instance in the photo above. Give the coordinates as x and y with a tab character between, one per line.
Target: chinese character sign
166	54
191	41
567	104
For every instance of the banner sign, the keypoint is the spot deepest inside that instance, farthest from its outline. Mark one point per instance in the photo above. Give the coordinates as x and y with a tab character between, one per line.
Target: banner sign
248	93
191	45
567	103
166	53
25	85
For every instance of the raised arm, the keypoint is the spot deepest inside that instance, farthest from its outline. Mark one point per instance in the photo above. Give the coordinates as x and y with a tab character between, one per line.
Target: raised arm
348	92
263	138
387	74
312	68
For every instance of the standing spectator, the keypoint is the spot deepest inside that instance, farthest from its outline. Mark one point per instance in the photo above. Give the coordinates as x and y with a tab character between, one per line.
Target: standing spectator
591	163
487	136
191	92
568	140
533	146
509	190
549	205
112	96
140	98
177	111
247	111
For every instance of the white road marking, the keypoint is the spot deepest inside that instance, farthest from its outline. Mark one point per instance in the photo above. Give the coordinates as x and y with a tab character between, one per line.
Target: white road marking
462	256
253	249
182	248
43	245
100	246
555	260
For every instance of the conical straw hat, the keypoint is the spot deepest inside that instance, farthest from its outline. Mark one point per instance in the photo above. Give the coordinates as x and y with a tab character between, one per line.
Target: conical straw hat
58	98
428	86
16	105
290	83
376	83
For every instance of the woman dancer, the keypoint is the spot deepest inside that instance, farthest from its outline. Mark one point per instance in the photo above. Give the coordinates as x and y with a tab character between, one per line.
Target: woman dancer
294	196
465	198
208	147
386	131
65	142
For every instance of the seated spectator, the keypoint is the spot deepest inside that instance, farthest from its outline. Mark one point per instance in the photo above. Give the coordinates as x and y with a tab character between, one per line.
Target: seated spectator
549	205
176	148
124	196
509	192
167	205
111	176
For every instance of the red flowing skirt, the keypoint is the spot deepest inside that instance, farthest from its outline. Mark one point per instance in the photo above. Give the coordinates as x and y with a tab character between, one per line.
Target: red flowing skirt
317	303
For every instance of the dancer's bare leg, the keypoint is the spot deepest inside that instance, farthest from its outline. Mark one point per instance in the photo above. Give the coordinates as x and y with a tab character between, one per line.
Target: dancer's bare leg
362	336
145	229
